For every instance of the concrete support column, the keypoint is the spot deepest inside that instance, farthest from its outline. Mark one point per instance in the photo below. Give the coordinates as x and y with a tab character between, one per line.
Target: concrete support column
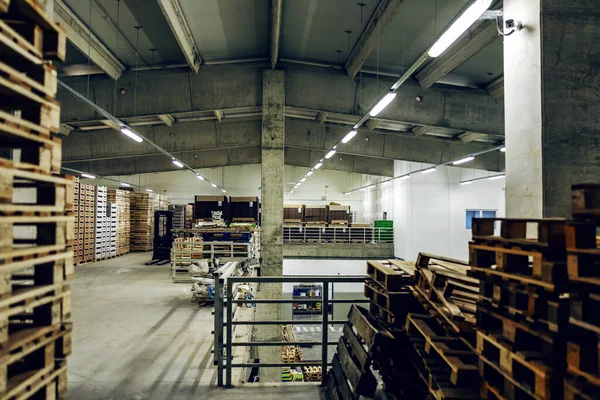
552	92
273	124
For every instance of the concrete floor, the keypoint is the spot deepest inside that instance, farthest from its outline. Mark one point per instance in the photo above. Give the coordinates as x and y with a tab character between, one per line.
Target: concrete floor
137	336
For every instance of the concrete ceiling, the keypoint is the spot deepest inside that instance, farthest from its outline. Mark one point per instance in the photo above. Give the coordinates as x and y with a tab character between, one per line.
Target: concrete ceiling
311	31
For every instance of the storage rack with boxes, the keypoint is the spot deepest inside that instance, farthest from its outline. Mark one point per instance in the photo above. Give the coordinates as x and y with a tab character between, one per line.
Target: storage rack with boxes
36	208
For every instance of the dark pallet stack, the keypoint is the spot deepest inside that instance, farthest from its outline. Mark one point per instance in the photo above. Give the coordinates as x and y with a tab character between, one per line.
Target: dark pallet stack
36	209
523	310
206	208
293	213
338	215
179	215
315	215
243	209
582	380
351	375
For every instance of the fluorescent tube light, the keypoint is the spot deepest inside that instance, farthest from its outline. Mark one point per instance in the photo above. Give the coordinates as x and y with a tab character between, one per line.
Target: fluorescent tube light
466	183
386	182
349	136
383	103
149	190
330	154
224	191
459	27
404	177
131	135
125	184
213	185
463	160
88	176
319	164
303	179
178	163
346	193
493	178
309	173
427	171
200	177
291	191
370	186
503	149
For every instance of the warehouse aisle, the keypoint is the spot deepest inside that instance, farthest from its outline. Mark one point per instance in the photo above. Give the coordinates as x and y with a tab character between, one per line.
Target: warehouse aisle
137	336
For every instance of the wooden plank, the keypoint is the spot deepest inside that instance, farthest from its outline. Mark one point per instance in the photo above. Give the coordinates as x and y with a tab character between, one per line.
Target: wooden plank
355	345
342	383
365	325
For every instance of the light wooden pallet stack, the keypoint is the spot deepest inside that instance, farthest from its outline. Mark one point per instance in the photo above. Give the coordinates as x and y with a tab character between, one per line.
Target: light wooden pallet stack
141	219
120	198
77	245
102	224
86	223
35	209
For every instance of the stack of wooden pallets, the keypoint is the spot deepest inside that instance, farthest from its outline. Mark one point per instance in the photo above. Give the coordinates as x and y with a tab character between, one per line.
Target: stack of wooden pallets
141	220
120	198
583	339
102	224
522	312
37	227
388	290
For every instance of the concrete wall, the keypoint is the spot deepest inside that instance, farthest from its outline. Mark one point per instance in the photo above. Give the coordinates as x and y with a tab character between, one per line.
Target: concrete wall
429	209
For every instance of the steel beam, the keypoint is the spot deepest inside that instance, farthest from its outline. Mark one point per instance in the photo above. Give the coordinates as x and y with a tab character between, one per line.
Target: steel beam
472	41
174	15
276	15
384	13
88	43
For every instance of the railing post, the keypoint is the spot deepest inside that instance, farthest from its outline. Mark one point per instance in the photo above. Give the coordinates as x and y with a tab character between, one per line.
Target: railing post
325	331
229	338
219	327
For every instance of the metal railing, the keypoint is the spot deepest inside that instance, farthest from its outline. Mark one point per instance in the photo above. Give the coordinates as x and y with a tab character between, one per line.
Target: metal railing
226	301
329	234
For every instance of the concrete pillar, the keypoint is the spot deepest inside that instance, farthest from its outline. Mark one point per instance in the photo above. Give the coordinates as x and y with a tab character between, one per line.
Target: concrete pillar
273	124
552	92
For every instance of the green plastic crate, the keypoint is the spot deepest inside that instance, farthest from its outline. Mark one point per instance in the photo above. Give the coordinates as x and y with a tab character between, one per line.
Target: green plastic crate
384	224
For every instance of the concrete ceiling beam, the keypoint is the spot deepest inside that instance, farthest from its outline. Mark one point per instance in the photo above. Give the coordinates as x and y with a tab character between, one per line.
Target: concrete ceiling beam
470	43
322	116
88	43
275	34
373	123
496	89
468	137
419	131
167	119
179	26
384	13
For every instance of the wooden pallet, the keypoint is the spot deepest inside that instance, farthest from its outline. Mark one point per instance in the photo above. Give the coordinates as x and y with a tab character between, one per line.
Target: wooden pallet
455	352
577	388
547	233
513	264
31	12
48	231
522	337
389	275
43	194
585	201
498	385
526	369
536	307
34	308
391	301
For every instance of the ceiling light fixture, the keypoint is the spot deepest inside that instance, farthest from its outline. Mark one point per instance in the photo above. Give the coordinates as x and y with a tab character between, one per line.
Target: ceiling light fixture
404	177
386	182
125	184
463	160
178	163
88	176
200	177
493	178
224	191
460	26
309	173
149	190
319	164
503	149
430	170
466	183
383	103
363	189
349	136
371	186
213	185
303	179
131	135
330	154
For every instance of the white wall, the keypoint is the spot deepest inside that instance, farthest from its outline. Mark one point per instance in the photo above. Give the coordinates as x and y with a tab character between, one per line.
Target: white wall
429	209
326	267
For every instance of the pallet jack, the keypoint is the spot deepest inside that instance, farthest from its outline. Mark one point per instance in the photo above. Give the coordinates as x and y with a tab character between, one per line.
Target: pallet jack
163	238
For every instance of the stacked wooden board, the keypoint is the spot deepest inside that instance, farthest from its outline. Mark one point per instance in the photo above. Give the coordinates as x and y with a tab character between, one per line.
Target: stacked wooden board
582	380
36	206
84	223
120	199
141	220
103	225
523	308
